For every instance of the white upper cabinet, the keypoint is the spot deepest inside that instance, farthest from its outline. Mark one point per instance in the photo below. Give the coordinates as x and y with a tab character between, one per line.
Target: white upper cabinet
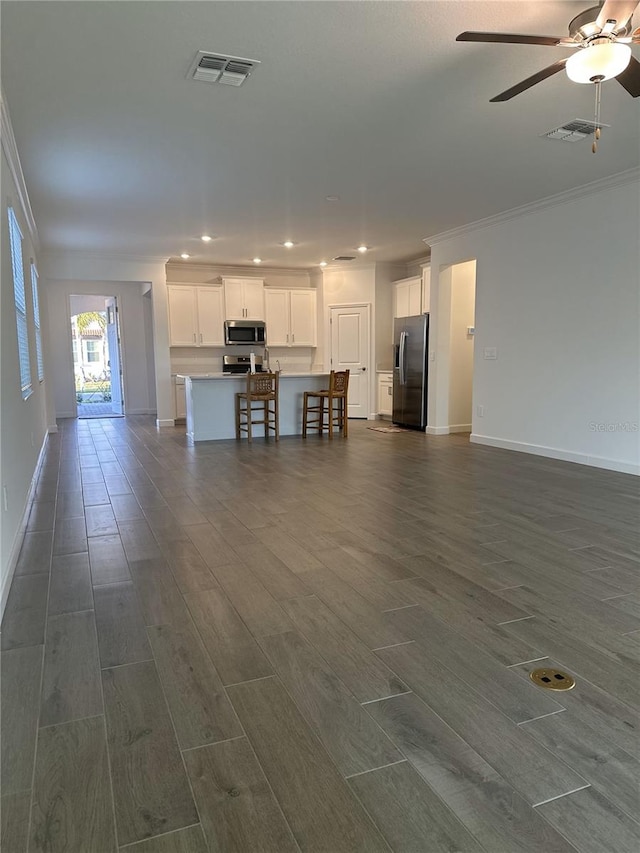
303	318
407	297
291	317
196	316
183	319
276	303
210	316
243	299
426	289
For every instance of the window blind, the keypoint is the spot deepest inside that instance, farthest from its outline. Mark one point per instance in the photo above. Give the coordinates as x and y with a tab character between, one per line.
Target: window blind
15	237
36	321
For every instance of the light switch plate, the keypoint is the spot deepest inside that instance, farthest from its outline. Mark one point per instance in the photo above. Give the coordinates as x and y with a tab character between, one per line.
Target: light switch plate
490	352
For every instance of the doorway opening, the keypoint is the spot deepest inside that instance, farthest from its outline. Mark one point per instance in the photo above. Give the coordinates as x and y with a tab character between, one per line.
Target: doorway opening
97	362
458	298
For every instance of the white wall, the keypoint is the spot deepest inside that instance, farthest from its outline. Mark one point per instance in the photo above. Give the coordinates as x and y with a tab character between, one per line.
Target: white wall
188	273
346	287
385	274
134	334
558	296
463	300
140	276
23	422
86	302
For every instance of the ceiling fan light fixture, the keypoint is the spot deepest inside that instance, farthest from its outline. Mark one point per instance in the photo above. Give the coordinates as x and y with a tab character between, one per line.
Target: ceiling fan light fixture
601	60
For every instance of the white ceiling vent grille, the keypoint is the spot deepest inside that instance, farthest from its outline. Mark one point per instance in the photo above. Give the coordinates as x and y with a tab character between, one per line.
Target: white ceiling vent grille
345	258
573	131
211	67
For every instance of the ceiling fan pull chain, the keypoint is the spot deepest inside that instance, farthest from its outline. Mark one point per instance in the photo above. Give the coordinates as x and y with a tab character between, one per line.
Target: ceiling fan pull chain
596	130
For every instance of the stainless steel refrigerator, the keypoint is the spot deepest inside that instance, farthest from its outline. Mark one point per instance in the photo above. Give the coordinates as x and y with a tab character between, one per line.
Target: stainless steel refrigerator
410	374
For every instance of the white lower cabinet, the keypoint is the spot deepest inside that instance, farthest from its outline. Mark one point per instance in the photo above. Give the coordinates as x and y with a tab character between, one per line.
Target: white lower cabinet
181	402
385	394
291	317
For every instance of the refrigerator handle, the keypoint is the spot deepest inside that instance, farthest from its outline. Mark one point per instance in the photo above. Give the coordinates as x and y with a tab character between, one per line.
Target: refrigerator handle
403	353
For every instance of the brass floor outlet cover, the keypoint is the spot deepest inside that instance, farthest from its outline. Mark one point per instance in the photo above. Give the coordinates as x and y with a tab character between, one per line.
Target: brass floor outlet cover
552	679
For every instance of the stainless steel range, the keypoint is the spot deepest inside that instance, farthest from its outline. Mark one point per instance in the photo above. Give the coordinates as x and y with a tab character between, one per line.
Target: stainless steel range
234	364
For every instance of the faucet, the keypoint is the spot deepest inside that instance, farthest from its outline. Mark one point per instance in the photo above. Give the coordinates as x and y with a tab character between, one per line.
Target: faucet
266	358
278	363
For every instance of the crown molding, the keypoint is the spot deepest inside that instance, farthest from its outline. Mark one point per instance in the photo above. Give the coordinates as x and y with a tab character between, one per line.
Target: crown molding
61	254
342	266
239	271
10	149
610	182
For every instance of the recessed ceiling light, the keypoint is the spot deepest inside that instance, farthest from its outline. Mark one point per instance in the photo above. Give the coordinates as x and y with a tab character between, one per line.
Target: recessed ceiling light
322	264
332	198
288	244
363	249
257	260
206	238
184	256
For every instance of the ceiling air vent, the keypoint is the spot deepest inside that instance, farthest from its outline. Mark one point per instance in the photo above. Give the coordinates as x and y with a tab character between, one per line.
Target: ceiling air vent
573	131
218	68
345	258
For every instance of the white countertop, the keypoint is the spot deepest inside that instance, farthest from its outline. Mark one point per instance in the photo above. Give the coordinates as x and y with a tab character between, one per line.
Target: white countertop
241	376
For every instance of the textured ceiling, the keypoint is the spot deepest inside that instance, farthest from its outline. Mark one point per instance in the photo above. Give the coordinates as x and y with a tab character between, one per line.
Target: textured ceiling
371	101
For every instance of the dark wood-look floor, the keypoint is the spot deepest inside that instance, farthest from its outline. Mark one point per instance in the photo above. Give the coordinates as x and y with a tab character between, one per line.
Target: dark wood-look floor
314	646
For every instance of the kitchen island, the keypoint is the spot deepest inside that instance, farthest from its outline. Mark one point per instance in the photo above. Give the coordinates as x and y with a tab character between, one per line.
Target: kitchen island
210	401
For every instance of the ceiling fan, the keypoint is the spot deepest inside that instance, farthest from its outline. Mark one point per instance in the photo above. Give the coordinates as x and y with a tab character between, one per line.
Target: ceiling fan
601	36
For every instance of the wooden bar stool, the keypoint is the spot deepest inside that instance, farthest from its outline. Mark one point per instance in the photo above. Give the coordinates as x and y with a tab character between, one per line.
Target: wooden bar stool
262	388
313	413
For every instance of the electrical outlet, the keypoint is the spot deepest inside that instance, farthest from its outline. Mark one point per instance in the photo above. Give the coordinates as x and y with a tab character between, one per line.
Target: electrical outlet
480	411
432	355
5	498
490	352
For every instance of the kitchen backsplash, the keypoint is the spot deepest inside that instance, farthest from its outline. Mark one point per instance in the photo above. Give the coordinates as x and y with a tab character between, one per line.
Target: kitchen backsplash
200	360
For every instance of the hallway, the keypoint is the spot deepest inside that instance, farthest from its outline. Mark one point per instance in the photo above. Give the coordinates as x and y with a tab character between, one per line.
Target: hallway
307	646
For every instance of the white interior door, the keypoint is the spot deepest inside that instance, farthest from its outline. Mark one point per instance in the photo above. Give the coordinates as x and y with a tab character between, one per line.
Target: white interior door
350	351
115	364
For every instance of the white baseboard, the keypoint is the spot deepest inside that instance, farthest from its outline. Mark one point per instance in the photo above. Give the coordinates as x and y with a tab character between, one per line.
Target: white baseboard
557	453
448	430
22	529
165	422
437	430
51	430
73	414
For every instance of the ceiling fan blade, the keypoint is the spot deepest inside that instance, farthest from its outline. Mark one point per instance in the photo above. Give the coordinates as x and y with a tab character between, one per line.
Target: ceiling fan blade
619	11
530	81
510	38
630	78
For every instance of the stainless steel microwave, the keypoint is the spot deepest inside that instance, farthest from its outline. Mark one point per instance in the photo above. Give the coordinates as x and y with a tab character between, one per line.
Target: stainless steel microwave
245	332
